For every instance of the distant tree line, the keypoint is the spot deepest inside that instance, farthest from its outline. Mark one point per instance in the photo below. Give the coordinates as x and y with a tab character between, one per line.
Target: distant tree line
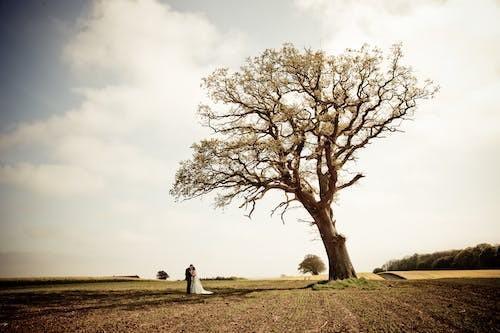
480	256
223	278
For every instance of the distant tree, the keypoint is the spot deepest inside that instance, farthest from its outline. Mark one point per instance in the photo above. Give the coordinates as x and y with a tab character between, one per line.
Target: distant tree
407	263
378	270
389	266
497	257
293	122
443	262
312	264
464	259
487	257
162	275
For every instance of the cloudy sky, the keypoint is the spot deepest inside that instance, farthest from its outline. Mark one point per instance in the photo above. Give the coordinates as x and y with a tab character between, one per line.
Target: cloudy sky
98	105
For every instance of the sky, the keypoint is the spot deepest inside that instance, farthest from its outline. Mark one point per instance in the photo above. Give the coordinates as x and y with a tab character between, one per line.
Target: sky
98	106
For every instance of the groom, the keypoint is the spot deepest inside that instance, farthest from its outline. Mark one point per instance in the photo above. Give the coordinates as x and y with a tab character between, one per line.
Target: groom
189	278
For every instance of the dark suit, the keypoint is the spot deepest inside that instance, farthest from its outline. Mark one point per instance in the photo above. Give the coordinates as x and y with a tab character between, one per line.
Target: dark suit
188	279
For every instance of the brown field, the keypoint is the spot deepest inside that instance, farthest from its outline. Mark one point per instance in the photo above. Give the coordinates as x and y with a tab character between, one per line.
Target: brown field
448	305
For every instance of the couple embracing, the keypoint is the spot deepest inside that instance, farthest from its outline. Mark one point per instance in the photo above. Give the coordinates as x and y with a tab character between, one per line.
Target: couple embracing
193	282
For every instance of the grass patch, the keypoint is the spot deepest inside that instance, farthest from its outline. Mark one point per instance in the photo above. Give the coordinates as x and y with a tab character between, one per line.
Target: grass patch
360	283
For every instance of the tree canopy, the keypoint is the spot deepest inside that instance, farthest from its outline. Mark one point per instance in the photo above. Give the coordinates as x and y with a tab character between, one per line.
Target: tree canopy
292	121
162	275
311	264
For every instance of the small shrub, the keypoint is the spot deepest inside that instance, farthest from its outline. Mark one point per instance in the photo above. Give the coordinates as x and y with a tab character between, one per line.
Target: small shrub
378	270
311	264
162	275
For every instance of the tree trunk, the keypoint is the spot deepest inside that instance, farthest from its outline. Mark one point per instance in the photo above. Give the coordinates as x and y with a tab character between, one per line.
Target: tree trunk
339	263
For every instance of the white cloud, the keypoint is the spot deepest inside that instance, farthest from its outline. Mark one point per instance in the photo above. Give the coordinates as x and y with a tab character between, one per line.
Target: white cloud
98	175
50	179
128	128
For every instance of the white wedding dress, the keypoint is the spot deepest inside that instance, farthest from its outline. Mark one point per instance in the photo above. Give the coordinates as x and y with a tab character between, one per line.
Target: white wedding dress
197	288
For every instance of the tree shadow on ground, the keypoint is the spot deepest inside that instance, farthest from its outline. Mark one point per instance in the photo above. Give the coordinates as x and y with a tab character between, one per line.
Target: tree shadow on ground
19	305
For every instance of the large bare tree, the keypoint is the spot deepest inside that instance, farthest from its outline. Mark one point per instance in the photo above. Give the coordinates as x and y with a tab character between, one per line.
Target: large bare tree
293	121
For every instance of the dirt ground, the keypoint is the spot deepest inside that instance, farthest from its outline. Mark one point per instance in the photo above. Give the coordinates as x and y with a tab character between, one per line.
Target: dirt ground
459	305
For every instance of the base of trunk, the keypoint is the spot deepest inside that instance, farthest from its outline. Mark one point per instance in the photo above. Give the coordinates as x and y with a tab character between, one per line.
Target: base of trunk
339	263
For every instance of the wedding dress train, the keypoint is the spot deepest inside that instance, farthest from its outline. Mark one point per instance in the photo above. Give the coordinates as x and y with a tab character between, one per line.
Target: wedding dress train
197	288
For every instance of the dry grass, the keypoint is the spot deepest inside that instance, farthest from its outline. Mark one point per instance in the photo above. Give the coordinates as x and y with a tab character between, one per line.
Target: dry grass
447	274
251	306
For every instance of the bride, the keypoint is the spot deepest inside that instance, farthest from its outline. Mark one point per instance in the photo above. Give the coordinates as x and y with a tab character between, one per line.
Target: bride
196	287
